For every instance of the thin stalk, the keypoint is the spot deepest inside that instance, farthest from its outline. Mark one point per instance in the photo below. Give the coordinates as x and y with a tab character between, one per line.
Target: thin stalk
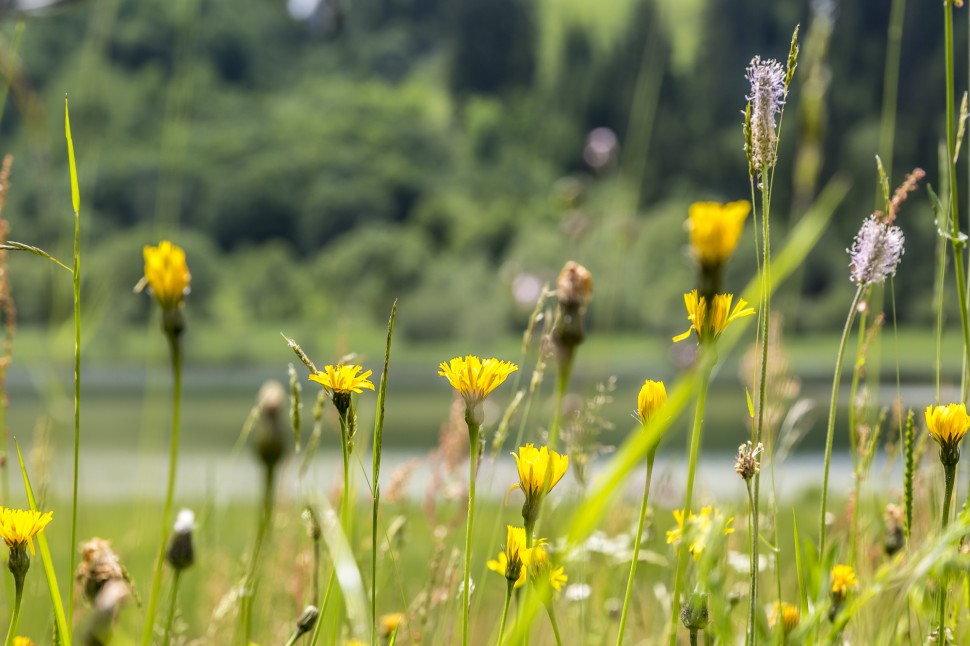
949	472
77	401
170	619
956	239
15	617
176	355
473	431
753	539
505	613
752	635
562	384
265	519
830	432
693	638
555	625
636	547
708	358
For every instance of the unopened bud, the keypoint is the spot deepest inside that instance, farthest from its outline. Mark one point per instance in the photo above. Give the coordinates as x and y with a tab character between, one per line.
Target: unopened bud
180	553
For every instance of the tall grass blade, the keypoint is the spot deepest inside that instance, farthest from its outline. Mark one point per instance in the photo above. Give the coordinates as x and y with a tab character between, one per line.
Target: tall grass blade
11	245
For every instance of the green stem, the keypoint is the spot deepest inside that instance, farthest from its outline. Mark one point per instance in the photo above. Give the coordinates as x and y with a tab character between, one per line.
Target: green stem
949	471
473	431
265	520
562	384
323	607
505	613
171	608
753	539
176	355
292	640
693	638
752	635
15	617
830	432
77	402
708	359
636	546
555	624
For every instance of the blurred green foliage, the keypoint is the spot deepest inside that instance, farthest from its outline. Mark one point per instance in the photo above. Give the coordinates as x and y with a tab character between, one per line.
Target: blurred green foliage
433	152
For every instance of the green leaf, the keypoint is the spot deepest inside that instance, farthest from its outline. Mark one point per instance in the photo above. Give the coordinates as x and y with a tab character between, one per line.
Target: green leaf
75	193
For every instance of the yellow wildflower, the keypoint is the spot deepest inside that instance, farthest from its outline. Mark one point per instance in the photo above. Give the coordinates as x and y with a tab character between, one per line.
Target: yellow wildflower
707	320
18	527
843	579
510	561
23	641
343	379
541	569
947	424
167	274
715	228
539	470
652	397
788	614
475	378
390	623
698	529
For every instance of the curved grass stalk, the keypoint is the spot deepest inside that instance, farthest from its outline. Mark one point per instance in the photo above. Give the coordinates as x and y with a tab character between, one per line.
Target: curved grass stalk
636	548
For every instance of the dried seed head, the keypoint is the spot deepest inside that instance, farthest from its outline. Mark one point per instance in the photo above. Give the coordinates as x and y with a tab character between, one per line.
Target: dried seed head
768	90
746	465
574	285
99	564
181	553
875	252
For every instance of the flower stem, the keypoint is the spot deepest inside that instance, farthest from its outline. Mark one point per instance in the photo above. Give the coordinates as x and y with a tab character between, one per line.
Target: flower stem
708	359
15	617
505	613
831	424
555	625
473	432
949	472
753	538
171	607
265	520
636	547
176	355
562	384
77	401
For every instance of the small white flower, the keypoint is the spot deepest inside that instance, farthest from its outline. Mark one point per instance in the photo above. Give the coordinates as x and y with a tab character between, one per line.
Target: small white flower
767	79
875	252
184	522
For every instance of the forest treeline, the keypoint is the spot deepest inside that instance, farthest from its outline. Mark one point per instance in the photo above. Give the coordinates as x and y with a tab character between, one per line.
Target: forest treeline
441	152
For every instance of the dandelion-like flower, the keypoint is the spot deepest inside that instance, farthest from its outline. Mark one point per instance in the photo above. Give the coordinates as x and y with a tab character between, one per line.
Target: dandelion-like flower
709	321
746	464
948	425
767	80
541	569
18	527
166	274
787	613
715	228
475	378
510	561
698	529
343	379
539	471
875	252
652	397
843	580
23	641
390	623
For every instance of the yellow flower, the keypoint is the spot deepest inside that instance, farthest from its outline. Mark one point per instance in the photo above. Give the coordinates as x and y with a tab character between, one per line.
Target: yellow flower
390	623
539	470
715	228
788	614
698	529
652	397
18	527
474	378
709	321
541	569
843	578
509	562
23	641
167	274
343	379
947	424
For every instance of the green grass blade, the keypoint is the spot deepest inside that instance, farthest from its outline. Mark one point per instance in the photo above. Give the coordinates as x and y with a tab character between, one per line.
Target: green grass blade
799	568
75	193
348	574
10	245
45	556
376	468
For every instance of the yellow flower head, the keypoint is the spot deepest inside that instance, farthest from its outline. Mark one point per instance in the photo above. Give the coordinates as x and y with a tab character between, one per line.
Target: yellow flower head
788	614
18	527
715	228
709	320
390	623
167	274
474	378
539	470
541	569
843	579
343	379
698	529
511	560
652	397
947	424
23	641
